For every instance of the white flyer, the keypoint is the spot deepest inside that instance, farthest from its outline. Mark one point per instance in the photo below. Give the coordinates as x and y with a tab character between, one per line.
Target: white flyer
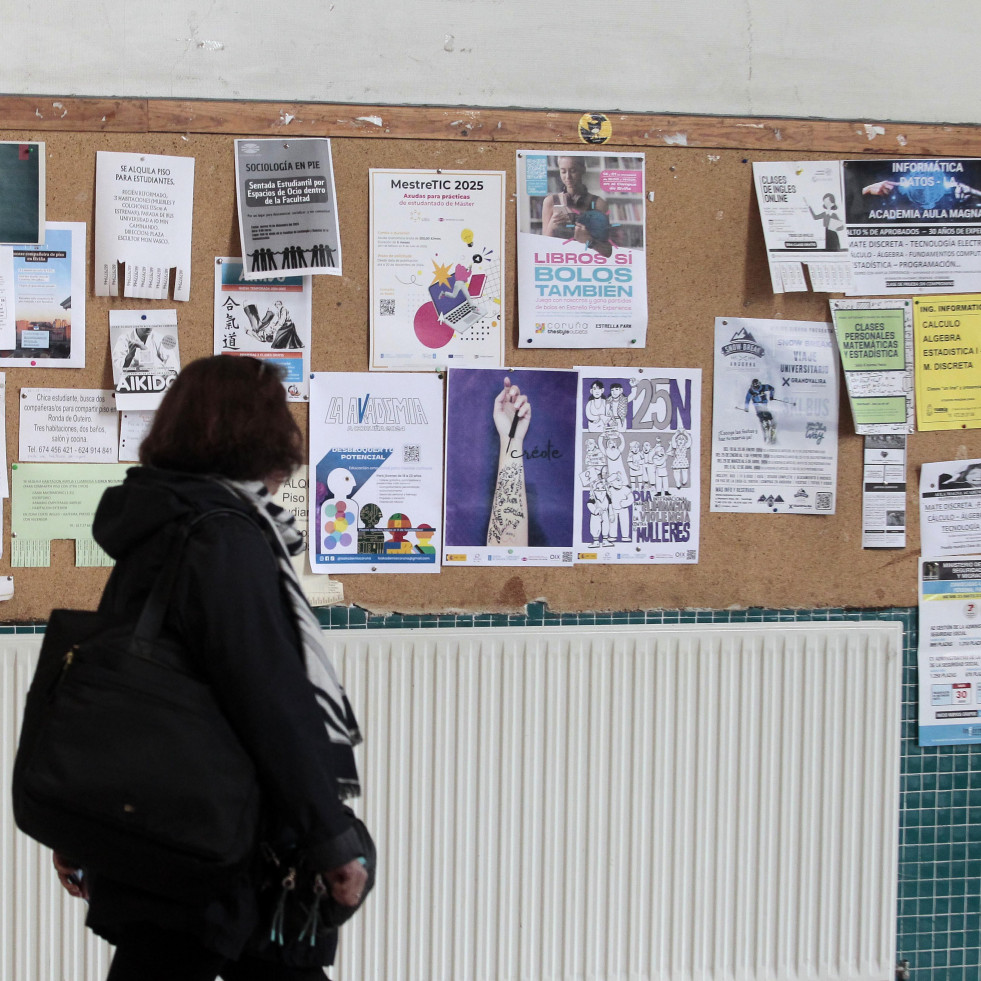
582	260
774	417
950	508
268	319
4	482
884	491
875	342
949	651
437	284
145	356
143	208
133	427
637	465
287	207
49	300
8	299
68	425
802	210
914	226
376	451
292	495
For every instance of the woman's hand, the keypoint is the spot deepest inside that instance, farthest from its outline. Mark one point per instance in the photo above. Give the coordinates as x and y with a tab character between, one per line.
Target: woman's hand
508	404
71	877
347	882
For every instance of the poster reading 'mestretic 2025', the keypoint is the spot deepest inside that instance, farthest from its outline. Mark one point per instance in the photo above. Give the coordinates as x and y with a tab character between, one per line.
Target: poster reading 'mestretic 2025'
582	265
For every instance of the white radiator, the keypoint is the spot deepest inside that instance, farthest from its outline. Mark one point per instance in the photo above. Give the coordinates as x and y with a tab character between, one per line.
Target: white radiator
655	804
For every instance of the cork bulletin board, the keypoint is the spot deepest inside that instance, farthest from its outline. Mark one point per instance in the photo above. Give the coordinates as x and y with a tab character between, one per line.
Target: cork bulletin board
705	259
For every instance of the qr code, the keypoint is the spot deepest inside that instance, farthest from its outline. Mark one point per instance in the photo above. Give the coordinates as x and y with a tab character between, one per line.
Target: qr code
822	500
690	555
567	556
386	308
411	453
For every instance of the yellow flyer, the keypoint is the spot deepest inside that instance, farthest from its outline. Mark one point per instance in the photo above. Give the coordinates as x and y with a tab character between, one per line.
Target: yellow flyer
947	333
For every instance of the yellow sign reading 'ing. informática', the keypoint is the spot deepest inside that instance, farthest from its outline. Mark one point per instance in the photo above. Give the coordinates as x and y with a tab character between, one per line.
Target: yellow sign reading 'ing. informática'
947	334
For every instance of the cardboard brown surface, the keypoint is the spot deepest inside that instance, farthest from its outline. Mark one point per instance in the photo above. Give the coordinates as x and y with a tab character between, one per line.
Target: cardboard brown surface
706	259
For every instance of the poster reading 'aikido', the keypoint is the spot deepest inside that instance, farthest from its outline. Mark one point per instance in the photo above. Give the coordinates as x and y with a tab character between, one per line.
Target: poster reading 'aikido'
637	457
437	250
376	459
510	461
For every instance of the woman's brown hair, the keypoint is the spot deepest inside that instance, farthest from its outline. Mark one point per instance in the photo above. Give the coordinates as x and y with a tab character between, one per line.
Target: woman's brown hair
225	415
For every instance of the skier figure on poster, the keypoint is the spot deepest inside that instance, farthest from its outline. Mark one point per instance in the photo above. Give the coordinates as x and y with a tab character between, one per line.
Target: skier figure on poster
761	394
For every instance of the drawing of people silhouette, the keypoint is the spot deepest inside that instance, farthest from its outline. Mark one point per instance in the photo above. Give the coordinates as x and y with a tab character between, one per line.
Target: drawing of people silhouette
635	465
398	527
371	539
596	408
613	445
647	452
760	395
598	505
621	497
329	252
424	534
282	330
832	222
659	461
339	515
680	445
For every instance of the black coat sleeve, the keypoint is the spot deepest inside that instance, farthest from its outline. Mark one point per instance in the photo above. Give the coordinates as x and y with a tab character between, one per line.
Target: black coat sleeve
230	607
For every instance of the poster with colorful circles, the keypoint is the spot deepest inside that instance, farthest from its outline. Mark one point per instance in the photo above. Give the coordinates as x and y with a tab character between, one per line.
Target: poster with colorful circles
437	292
376	493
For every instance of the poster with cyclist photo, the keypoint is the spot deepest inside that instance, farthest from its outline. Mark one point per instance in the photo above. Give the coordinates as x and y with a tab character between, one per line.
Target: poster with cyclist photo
774	417
582	262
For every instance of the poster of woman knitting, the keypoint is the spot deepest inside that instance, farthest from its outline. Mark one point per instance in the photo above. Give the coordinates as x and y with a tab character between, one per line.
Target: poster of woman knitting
582	265
638	447
287	208
269	319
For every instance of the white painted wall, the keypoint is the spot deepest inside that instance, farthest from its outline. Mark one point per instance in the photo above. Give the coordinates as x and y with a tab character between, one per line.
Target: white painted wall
911	60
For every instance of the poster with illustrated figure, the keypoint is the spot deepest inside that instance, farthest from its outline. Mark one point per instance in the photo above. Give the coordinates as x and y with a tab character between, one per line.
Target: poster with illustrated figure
637	465
268	319
802	210
376	456
774	417
145	356
510	461
914	226
582	262
287	208
437	290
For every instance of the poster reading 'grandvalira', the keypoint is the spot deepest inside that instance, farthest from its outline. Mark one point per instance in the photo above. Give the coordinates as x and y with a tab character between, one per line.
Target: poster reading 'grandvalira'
774	417
582	265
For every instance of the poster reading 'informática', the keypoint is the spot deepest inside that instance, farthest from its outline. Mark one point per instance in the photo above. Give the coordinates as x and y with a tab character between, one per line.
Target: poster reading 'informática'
437	248
582	265
376	458
774	417
287	208
637	457
914	226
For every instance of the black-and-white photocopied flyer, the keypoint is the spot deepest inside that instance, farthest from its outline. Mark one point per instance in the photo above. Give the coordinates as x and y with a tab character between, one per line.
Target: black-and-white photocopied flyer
774	417
143	208
287	208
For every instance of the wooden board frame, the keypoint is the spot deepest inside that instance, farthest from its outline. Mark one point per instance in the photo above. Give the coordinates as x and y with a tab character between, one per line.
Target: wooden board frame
706	259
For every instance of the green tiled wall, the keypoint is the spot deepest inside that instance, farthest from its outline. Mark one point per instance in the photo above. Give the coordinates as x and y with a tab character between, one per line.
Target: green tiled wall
938	923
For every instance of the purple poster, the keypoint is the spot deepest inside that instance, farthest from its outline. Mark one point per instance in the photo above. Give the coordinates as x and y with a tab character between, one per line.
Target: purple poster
510	464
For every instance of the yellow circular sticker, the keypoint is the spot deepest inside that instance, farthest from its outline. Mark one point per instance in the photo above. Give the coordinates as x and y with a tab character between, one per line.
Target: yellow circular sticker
594	127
